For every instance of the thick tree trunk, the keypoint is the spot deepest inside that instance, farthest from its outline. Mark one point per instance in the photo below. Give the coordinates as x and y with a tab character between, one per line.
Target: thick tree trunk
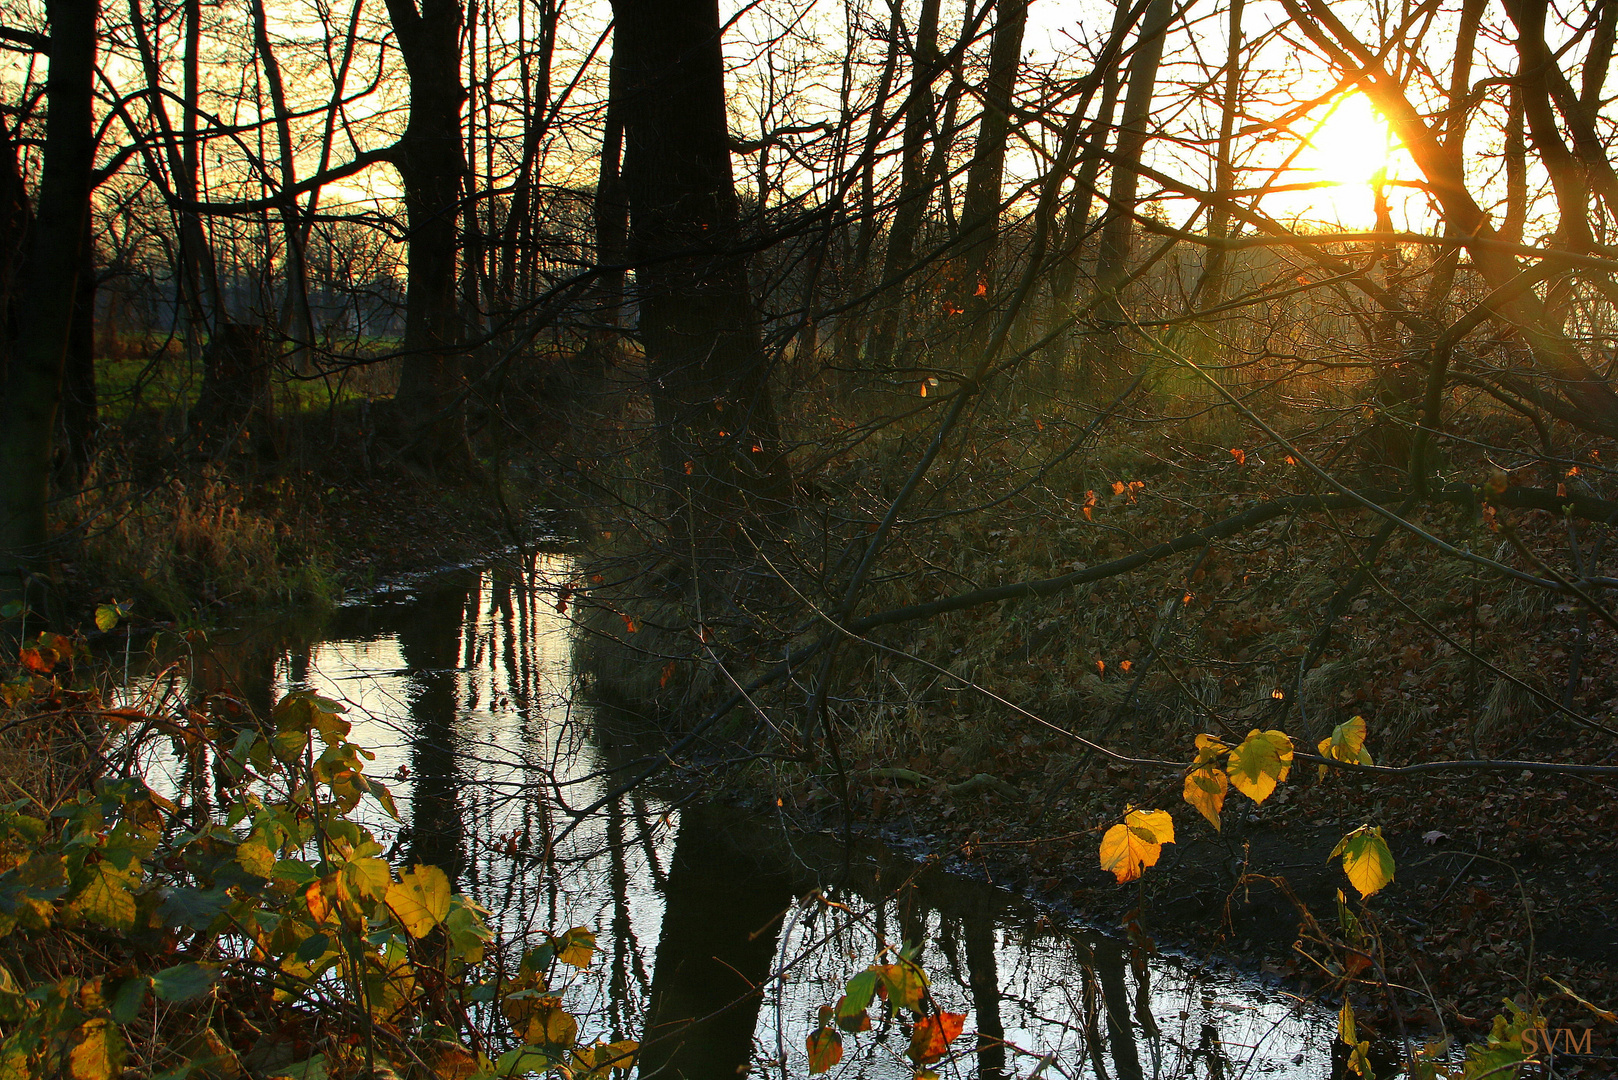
611	208
48	294
78	416
431	161
697	323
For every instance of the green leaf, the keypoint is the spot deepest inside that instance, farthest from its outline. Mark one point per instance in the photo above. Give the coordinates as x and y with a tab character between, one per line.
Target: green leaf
526	1059
195	908
857	994
1366	859
128	998
313	948
468	929
107	617
365	878
184	981
14	1060
313	1068
1261	761
420	900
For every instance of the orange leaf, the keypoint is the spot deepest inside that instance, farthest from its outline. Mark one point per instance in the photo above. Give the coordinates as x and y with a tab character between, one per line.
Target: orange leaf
932	1036
668	673
1239	455
315	898
36	661
825	1050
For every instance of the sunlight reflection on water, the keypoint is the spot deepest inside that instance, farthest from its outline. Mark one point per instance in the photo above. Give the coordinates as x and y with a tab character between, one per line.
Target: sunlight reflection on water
465	692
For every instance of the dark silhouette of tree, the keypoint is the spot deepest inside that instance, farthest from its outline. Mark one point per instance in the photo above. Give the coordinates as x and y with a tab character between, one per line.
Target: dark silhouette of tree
47	295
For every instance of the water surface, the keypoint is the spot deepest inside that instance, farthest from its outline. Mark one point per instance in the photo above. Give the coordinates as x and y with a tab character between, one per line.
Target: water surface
713	948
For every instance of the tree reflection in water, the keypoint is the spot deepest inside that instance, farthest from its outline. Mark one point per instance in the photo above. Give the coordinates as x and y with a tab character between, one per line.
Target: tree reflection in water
466	690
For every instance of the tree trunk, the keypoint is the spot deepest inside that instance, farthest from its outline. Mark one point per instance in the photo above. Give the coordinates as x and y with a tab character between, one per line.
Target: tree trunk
1076	222
78	419
1210	291
697	323
1101	355
611	208
431	162
911	204
980	207
48	293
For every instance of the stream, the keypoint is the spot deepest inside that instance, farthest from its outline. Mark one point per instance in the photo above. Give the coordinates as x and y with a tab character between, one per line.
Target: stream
463	686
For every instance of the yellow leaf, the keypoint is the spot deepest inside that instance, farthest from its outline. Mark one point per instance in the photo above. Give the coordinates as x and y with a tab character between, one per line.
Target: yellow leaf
1209	749
552	1025
905	983
420	899
364	878
594	1061
255	857
105	899
1261	761
1346	743
1129	847
99	1052
576	947
1205	789
1366	859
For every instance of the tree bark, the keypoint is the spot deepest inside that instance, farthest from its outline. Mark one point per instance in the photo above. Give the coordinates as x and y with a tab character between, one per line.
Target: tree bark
431	162
911	203
697	322
1210	291
48	294
980	207
1118	230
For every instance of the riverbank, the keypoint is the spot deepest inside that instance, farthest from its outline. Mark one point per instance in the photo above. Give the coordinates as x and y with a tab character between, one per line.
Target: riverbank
1493	895
191	543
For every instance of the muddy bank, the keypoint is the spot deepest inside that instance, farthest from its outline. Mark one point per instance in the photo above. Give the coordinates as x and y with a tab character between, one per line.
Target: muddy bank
1494	889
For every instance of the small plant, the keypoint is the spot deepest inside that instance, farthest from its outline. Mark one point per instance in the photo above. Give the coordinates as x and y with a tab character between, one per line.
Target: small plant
900	990
271	936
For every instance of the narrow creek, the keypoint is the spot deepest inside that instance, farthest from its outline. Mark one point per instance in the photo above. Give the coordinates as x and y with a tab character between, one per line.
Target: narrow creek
463	687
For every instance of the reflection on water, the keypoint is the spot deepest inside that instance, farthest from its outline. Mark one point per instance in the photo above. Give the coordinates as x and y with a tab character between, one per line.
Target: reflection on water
713	951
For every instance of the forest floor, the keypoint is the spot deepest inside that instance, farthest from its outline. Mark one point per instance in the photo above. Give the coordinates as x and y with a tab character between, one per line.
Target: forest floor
1506	882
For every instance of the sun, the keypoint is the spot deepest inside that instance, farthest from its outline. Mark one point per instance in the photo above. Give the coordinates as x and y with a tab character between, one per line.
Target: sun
1346	150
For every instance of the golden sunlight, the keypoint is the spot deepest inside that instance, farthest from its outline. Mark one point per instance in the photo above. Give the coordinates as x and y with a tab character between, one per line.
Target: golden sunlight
1345	152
